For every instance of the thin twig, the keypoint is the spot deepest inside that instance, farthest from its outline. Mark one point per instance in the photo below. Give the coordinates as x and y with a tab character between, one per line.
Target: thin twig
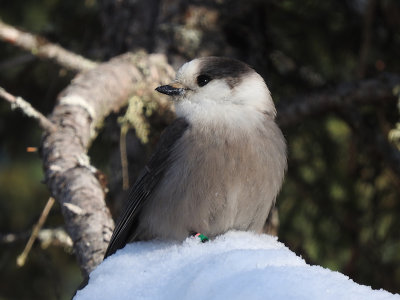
35	232
40	47
124	157
48	237
27	109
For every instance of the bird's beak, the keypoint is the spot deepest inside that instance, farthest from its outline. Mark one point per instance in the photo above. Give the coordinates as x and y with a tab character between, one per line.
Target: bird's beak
172	89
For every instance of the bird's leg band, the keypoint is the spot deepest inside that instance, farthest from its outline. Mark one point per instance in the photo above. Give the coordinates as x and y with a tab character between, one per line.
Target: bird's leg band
200	236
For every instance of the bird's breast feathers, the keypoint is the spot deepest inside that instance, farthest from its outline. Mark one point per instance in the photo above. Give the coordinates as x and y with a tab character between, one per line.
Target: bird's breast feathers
216	178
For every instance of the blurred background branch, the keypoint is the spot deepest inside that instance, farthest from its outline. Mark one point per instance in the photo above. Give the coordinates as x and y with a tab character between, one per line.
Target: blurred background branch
56	237
375	91
42	48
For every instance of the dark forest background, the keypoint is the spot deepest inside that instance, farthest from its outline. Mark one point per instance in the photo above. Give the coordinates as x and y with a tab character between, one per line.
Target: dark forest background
340	204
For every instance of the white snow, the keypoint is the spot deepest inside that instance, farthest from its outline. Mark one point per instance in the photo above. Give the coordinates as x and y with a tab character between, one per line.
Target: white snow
237	265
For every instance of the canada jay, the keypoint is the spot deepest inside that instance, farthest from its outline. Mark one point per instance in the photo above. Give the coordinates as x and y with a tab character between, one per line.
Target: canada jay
218	166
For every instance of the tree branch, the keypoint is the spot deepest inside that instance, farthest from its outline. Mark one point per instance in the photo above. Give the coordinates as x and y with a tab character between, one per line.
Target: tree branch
40	47
28	110
81	108
374	140
346	100
372	91
48	236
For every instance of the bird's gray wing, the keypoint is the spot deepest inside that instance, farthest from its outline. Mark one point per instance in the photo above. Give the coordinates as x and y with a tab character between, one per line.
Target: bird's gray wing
144	186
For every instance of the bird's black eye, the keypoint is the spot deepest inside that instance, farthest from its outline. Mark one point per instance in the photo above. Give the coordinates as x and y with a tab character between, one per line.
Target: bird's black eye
202	80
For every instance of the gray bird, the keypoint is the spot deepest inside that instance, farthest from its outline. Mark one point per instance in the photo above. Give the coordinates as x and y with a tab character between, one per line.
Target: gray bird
218	166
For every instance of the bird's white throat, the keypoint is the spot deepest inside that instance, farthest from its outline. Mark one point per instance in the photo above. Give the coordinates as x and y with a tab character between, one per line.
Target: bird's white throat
244	106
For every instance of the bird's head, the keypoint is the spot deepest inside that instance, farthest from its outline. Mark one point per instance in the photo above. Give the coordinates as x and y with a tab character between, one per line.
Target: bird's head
218	84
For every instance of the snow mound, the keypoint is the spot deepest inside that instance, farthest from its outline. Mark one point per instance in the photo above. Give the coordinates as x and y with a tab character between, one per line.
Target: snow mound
237	265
